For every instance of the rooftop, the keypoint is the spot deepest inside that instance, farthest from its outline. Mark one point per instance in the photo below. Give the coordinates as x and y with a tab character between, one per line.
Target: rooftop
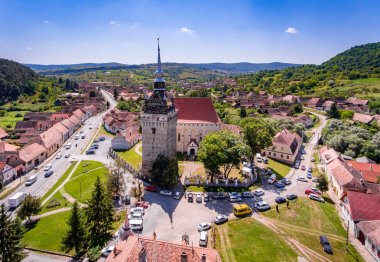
199	109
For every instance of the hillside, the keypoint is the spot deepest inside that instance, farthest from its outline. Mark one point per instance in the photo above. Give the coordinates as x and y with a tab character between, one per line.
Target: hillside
332	78
229	68
15	79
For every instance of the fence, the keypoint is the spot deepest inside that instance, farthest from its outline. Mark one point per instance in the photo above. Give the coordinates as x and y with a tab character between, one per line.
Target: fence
127	166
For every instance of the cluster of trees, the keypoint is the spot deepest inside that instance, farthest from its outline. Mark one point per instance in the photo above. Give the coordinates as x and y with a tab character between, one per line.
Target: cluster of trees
352	139
130	105
15	79
164	171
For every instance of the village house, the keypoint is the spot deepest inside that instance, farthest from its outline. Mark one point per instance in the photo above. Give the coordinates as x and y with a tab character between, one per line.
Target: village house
69	125
291	99
7	173
129	96
28	136
315	102
126	139
6	147
89	111
196	118
368	232
117	121
370	172
33	155
63	130
13	164
327	105
3	134
80	115
23	126
58	117
138	248
52	139
234	129
285	147
363	118
326	156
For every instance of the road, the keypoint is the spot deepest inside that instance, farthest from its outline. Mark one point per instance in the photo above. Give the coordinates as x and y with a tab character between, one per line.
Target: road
59	166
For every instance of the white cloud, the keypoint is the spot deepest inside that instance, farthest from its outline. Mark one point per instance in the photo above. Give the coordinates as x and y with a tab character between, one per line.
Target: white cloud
45	21
186	30
28	48
112	22
291	30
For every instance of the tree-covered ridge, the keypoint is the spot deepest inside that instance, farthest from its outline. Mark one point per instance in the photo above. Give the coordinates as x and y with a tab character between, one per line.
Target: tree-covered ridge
15	79
359	62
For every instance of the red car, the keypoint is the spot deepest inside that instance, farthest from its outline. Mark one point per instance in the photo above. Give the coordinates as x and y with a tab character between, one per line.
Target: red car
144	204
151	188
312	191
309	191
303	167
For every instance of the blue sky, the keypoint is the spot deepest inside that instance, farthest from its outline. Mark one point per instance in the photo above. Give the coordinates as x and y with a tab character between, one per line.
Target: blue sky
74	31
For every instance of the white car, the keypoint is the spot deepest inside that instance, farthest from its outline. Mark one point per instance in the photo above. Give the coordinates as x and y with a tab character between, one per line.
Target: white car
177	195
247	194
48	167
137	210
220	219
302	179
166	192
204	226
234	194
67	155
58	156
262	206
107	250
259	192
135	215
235	199
317	198
198	198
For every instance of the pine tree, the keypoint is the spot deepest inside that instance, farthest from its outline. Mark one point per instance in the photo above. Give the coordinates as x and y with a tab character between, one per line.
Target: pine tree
115	93
11	249
333	112
99	215
243	112
75	237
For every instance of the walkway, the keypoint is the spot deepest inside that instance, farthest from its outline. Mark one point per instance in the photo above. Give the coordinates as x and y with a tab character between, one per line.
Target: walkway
137	148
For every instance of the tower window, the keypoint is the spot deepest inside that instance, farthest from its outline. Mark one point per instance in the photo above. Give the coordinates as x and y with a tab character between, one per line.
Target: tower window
179	137
153	131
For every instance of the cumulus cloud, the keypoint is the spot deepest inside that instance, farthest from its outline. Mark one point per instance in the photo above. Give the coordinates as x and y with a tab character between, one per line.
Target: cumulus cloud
112	22
291	30
28	48
186	30
45	22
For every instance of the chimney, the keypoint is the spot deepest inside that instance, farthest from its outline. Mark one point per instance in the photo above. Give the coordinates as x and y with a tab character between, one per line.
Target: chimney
183	256
204	257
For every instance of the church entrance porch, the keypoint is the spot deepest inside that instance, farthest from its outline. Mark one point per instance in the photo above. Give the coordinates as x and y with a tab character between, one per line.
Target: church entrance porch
192	150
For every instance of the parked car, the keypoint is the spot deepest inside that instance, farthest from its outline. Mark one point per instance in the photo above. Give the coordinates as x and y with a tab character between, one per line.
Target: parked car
302	157
262	206
303	151
107	250
309	176
280	200
48	173
235	198
127	199
90	152
316	191
166	192
308	191
247	194
204	226
206	197
286	181
67	155
259	192
301	178
265	160
220	219
81	131
58	156
219	195
178	195
48	167
83	136
190	197
203	239
279	185
143	204
151	188
309	169
296	166
95	146
102	138
303	168
291	196
234	194
31	180
325	244
316	198
198	198
137	210
314	179
135	215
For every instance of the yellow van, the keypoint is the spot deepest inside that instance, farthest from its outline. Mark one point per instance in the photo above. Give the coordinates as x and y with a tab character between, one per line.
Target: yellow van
242	210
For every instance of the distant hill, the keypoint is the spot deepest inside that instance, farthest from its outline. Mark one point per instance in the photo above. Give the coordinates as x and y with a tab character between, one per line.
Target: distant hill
15	79
227	68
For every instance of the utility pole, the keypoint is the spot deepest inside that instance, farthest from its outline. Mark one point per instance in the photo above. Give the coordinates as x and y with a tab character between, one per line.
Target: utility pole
348	228
80	190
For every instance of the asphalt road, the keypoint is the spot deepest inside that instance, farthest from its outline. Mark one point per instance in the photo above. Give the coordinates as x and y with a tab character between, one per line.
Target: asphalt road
59	166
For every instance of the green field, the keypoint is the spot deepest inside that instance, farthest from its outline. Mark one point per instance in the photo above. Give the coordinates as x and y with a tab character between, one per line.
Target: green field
306	220
103	132
85	166
131	157
81	186
280	169
249	240
9	120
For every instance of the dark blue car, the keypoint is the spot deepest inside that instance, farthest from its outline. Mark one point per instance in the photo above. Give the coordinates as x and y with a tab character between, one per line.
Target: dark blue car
280	200
280	185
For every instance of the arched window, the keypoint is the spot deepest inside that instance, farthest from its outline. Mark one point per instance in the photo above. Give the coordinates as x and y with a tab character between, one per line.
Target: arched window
153	131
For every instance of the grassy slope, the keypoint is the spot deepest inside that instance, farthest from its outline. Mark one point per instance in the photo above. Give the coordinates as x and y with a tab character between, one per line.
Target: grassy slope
312	219
280	169
250	239
131	157
10	119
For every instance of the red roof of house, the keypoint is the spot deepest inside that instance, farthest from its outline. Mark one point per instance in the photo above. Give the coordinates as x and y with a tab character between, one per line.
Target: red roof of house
7	147
232	128
315	100
196	109
29	152
363	207
3	133
371	229
364	166
366	119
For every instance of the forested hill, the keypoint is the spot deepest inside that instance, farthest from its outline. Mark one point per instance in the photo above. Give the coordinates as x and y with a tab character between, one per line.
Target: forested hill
327	79
15	79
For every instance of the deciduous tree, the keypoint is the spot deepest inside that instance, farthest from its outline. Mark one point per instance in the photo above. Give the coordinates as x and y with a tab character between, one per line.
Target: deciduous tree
164	171
323	184
30	206
115	182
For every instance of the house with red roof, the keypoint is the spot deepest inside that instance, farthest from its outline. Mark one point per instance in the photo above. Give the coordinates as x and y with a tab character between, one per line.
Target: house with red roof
51	139
89	111
196	118
3	134
363	118
7	173
315	102
126	139
12	166
369	171
137	248
285	147
80	115
33	155
368	233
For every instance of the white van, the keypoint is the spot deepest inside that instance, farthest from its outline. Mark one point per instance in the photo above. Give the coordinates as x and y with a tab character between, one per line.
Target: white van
76	137
258	158
31	180
136	224
68	146
203	239
48	167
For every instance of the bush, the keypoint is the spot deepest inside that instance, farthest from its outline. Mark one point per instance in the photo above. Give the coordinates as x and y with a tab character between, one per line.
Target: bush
18	115
53	203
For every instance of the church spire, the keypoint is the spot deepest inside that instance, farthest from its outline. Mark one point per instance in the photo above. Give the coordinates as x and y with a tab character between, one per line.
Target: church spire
159	73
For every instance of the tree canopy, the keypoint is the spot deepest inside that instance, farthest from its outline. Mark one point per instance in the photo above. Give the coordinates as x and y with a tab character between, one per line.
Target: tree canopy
164	171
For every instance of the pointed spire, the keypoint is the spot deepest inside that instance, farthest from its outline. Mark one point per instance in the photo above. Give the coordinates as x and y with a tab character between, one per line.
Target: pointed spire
159	74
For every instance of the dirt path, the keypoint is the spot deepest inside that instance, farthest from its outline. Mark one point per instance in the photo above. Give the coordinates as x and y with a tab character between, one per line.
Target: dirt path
226	244
137	149
51	213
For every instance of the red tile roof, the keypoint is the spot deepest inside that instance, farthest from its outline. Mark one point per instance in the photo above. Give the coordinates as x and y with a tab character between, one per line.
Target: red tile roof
79	114
196	109
3	133
362	118
7	147
159	251
232	128
370	172
363	206
371	229
30	152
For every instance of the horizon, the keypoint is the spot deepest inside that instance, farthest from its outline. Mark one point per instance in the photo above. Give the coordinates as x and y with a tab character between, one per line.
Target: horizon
73	32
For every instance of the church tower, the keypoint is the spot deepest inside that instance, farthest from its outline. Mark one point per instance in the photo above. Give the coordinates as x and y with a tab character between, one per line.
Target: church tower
158	122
